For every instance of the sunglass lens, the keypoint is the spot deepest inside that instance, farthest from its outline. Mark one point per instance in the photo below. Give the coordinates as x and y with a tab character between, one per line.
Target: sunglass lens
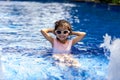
65	32
58	32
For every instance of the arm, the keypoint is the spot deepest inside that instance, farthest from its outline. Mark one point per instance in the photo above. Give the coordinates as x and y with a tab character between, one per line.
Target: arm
46	34
79	36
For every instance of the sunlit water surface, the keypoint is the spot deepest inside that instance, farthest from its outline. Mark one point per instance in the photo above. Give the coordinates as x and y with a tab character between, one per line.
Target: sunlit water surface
23	48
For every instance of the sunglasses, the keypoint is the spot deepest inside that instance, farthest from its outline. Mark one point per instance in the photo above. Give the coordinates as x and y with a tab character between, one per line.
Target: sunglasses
62	32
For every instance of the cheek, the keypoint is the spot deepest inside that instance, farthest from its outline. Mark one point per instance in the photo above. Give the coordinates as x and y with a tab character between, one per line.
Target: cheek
67	34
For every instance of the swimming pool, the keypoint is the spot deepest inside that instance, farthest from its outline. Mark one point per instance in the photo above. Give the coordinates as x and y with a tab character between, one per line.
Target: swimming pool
23	48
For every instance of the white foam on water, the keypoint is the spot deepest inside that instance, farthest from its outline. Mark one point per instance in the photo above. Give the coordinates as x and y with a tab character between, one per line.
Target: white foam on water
22	21
20	25
114	64
1	70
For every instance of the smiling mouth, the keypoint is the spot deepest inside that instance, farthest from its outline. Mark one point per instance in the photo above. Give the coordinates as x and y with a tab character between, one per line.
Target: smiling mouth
62	36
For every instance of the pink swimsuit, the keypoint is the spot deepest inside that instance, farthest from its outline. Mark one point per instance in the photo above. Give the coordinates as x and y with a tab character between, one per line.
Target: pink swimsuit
62	48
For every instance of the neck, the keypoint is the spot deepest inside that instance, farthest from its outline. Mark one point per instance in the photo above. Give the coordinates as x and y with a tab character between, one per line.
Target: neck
63	41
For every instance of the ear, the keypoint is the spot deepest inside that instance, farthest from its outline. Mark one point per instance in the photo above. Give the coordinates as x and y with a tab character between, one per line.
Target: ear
70	33
54	32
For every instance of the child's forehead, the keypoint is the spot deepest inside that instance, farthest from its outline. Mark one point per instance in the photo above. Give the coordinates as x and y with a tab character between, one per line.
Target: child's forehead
62	28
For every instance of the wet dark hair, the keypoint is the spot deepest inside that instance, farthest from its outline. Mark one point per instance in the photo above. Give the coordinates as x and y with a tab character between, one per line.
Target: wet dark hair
63	23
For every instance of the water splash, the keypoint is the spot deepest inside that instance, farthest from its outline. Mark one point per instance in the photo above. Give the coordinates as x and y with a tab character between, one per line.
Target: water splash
114	65
1	70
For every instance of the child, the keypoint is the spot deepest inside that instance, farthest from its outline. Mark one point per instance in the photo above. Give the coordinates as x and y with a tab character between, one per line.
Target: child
61	45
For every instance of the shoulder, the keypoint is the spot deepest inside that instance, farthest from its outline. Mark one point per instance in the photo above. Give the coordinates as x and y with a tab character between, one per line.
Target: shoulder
70	42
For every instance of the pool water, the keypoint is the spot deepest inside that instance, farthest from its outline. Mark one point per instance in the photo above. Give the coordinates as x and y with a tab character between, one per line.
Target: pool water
25	53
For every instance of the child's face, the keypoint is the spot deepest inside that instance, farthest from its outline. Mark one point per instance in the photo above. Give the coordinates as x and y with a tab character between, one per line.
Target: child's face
62	33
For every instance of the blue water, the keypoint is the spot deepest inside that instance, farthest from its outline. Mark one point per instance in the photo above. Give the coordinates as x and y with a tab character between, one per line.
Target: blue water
25	53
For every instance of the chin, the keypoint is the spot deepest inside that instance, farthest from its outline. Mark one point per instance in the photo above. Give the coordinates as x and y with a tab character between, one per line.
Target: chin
63	38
